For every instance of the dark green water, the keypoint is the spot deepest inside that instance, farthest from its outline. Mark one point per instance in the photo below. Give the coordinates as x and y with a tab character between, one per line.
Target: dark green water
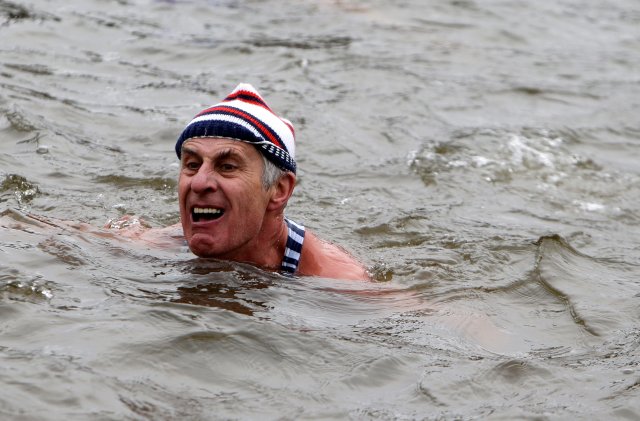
481	157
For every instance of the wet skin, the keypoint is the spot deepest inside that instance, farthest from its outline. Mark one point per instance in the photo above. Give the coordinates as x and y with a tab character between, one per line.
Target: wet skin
224	176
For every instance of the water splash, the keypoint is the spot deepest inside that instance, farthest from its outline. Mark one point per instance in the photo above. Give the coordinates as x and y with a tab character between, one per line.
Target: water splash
24	191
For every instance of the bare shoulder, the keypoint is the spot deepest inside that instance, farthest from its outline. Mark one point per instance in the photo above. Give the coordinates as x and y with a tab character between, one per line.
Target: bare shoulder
321	258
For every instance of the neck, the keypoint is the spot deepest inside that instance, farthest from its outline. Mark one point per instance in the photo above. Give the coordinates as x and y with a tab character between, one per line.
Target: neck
267	248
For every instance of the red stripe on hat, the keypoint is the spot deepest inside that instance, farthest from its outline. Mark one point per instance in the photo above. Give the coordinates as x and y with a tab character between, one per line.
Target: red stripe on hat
249	97
242	97
254	121
206	111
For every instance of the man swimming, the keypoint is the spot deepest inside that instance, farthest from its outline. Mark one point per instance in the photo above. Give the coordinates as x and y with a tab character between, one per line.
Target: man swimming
237	173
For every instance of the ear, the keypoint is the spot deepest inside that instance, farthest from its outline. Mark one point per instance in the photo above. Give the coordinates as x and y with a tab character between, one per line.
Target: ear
281	192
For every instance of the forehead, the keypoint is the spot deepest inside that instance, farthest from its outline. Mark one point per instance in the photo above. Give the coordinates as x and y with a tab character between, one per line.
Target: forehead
210	147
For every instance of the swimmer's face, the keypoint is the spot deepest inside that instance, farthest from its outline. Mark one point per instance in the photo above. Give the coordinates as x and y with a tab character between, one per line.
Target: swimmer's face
222	200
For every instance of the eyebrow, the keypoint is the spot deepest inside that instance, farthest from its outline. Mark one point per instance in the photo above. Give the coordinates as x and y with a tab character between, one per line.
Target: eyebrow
226	153
188	151
223	154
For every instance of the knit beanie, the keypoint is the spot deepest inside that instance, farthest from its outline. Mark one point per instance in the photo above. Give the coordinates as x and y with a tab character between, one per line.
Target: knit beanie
244	115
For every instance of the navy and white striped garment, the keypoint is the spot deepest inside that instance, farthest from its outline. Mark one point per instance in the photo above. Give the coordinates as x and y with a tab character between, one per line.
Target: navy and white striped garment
292	252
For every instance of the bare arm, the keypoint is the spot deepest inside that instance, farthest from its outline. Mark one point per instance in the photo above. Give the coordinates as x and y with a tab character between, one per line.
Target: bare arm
320	258
136	229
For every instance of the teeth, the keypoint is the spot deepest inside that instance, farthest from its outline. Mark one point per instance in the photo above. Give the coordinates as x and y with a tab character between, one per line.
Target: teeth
207	210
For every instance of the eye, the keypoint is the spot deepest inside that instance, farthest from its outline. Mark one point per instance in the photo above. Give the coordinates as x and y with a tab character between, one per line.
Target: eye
191	164
227	166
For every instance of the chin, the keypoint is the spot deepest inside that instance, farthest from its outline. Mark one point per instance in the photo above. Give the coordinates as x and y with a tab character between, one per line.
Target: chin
200	247
205	252
204	247
198	252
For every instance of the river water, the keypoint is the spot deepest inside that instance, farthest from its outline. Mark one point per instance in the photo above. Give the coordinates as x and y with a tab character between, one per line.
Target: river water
482	158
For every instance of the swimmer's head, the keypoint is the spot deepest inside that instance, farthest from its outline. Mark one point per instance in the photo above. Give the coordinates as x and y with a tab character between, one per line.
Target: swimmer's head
244	116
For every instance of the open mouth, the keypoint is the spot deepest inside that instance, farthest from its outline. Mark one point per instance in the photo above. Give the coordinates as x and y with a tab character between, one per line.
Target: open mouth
205	214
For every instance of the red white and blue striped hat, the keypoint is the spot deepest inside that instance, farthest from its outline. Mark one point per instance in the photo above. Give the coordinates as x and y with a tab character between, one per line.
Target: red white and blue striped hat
245	116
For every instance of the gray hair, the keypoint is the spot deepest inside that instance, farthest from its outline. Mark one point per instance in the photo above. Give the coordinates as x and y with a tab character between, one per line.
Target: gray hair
270	173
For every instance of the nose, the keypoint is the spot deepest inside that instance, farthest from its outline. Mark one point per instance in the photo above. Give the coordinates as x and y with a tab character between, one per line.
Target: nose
204	180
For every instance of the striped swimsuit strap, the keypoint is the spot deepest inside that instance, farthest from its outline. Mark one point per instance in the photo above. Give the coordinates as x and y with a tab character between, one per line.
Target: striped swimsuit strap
293	249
